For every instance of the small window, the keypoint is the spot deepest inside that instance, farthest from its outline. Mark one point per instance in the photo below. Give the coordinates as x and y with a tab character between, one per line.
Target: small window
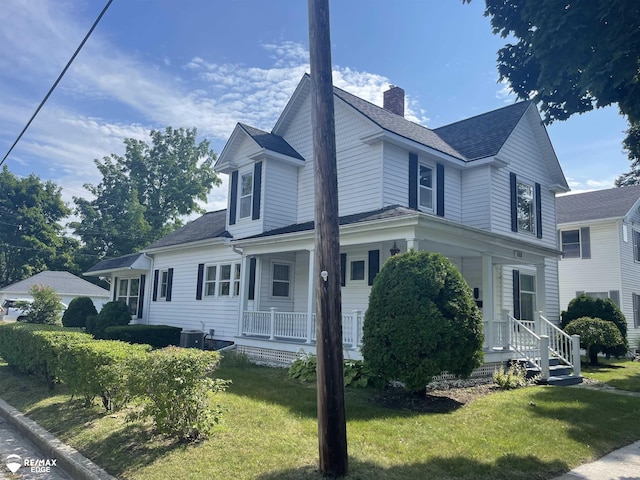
571	243
357	270
236	279
224	289
246	195
526	207
281	280
164	283
210	281
425	187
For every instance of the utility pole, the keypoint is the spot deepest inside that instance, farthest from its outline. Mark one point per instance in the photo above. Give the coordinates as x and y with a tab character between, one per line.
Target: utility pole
332	426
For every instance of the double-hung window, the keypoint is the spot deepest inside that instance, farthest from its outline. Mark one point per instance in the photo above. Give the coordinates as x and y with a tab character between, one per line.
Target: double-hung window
281	280
246	194
164	283
576	243
425	187
526	207
128	293
224	285
210	281
527	296
636	245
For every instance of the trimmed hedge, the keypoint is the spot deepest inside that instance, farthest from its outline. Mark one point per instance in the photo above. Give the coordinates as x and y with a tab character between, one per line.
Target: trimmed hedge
158	336
101	368
76	314
113	314
35	349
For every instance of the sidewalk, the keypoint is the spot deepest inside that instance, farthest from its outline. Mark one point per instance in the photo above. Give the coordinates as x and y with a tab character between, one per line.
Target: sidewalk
23	439
622	464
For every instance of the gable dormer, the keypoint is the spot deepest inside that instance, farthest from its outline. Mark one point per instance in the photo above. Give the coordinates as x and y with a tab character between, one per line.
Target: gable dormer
262	169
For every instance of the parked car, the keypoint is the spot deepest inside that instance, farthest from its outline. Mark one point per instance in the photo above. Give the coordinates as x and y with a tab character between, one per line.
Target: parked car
10	312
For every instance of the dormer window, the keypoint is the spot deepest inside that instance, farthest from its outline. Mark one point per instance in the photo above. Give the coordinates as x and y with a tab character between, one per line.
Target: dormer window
425	187
246	194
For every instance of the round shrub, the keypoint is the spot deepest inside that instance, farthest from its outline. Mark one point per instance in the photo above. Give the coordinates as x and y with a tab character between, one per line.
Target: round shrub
604	309
596	335
76	314
421	321
113	314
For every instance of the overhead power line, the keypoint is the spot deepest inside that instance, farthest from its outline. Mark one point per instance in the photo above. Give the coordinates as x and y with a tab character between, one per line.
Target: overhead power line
53	87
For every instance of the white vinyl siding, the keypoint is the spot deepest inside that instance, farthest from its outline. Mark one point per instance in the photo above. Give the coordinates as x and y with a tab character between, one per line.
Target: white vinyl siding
476	197
184	311
280	186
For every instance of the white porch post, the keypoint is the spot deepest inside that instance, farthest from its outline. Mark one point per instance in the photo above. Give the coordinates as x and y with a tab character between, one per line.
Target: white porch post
544	356
311	301
243	292
575	349
488	313
272	323
541	286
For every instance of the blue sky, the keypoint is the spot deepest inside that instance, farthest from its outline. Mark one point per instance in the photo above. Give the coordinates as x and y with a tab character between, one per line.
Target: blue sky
210	64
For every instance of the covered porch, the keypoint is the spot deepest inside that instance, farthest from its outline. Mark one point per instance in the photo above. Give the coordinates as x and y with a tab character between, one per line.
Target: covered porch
508	277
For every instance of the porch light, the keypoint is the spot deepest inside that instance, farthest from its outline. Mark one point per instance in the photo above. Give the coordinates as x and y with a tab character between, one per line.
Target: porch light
394	250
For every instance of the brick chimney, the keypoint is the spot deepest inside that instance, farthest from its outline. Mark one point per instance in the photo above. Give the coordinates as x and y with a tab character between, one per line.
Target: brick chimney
394	100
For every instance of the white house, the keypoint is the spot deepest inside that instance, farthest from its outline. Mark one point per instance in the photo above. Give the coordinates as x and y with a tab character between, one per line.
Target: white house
600	236
482	191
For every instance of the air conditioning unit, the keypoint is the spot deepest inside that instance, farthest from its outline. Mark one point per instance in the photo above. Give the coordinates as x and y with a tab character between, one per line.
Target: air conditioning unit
192	339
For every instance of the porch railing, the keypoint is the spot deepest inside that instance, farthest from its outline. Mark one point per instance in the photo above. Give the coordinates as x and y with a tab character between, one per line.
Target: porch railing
294	326
537	340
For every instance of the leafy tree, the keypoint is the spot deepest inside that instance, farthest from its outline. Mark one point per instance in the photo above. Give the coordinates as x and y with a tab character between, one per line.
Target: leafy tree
596	335
31	237
46	307
604	309
421	321
572	57
79	309
144	194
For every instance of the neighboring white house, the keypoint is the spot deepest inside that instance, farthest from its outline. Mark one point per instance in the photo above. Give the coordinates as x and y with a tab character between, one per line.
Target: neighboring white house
600	236
67	286
482	191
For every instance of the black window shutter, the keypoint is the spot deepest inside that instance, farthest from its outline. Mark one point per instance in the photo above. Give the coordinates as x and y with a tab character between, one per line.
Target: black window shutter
234	197
514	202
169	284
374	264
115	289
252	279
440	190
538	210
615	296
156	273
200	281
585	242
413	180
636	310
257	188
143	279
343	269
516	294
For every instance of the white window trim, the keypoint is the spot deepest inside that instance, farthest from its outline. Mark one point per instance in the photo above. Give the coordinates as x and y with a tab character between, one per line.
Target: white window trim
127	298
164	281
350	260
271	280
433	188
218	280
248	196
532	221
635	241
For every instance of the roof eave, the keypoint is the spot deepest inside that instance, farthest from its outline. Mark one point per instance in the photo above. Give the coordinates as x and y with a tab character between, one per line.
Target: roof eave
196	243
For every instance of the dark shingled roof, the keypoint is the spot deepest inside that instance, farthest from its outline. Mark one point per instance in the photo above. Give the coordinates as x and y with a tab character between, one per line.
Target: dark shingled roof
600	204
483	135
397	124
210	225
387	212
115	263
271	141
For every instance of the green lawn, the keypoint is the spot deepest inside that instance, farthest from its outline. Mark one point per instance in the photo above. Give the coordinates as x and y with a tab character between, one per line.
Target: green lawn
269	432
622	374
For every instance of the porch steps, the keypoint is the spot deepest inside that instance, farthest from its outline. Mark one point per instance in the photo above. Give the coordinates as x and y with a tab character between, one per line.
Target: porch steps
560	374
